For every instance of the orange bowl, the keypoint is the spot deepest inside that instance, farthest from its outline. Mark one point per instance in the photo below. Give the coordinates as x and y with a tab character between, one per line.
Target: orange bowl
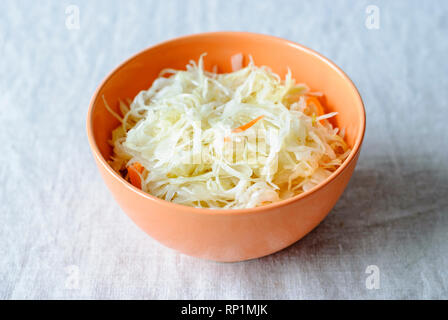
239	234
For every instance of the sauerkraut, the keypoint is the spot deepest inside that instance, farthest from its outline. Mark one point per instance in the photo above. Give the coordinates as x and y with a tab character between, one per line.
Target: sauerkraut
225	141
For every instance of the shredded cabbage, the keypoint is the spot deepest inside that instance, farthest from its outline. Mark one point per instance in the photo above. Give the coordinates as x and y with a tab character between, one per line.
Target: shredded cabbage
182	131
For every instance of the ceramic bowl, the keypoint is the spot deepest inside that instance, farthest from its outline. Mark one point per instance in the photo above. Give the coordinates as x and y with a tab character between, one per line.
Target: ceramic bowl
240	234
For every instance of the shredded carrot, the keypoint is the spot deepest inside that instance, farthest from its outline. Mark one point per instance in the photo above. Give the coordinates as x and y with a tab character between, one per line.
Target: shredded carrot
134	172
315	101
246	126
320	110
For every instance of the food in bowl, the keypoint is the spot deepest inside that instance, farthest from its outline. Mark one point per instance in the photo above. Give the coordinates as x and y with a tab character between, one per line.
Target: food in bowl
226	141
227	234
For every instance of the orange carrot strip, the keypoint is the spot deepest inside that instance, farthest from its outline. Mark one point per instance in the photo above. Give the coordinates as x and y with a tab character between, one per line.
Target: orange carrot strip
134	172
247	125
315	101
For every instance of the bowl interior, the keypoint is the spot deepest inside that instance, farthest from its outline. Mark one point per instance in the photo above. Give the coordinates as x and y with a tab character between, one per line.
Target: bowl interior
306	66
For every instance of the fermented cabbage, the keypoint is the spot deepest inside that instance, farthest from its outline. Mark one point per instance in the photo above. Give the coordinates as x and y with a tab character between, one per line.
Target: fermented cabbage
235	140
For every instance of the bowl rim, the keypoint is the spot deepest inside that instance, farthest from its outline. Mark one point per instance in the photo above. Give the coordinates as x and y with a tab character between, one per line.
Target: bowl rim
257	210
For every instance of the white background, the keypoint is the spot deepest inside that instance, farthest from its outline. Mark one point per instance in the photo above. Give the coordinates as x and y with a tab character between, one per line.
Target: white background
56	212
